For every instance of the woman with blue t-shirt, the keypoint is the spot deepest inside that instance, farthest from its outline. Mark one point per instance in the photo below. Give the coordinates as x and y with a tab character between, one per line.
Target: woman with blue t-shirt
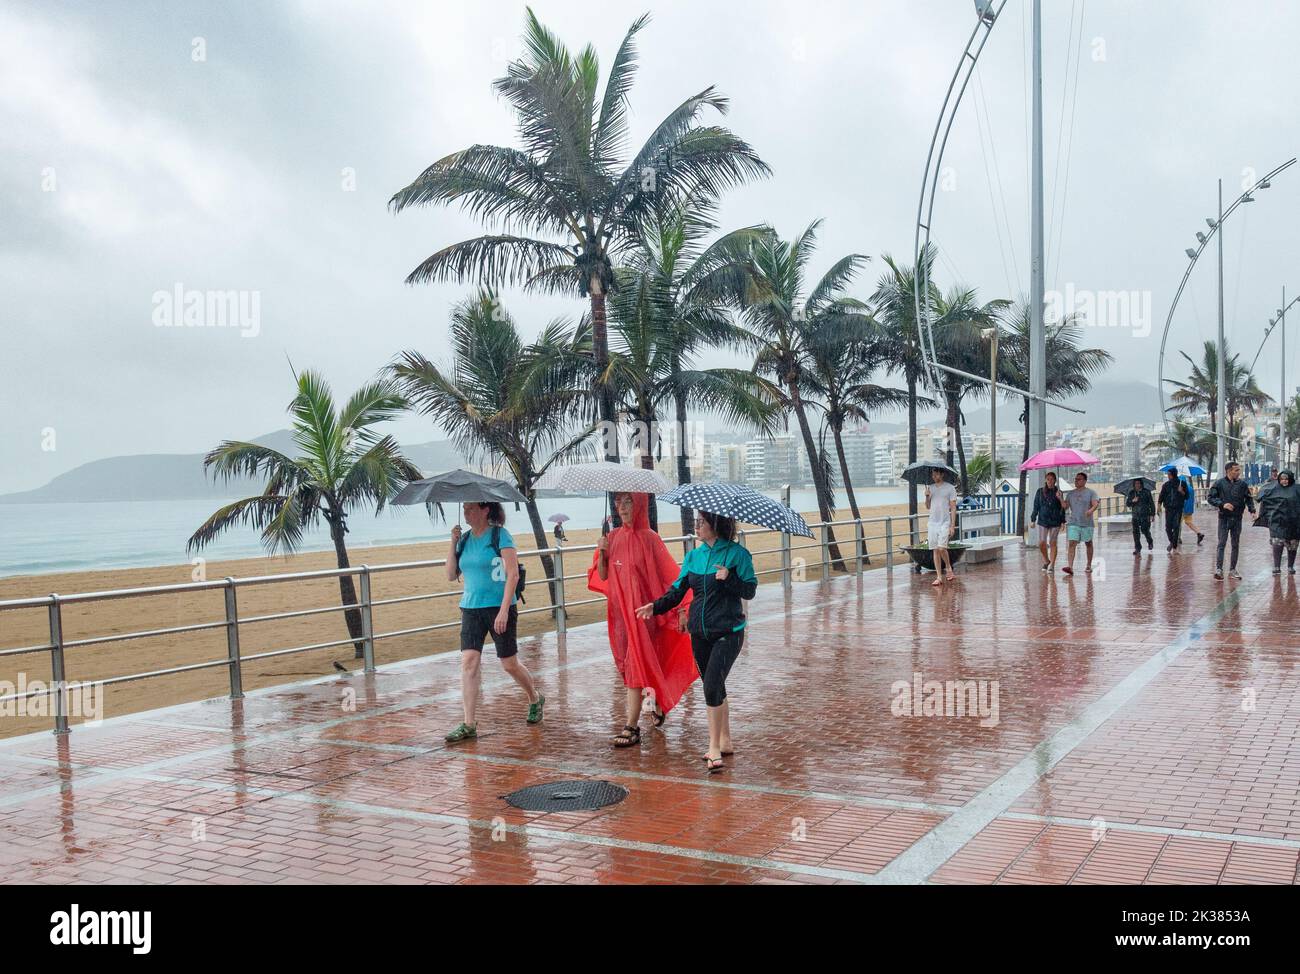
486	557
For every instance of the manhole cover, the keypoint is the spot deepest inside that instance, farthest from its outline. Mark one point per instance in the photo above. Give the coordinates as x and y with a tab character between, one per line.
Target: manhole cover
564	796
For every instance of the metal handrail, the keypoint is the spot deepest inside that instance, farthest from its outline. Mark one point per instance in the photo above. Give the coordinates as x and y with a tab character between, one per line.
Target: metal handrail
860	545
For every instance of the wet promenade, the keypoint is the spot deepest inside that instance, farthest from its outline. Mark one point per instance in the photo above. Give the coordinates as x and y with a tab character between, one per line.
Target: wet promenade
1135	725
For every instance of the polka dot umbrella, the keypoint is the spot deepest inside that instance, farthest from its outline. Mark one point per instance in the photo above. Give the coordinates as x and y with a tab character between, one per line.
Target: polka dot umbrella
740	502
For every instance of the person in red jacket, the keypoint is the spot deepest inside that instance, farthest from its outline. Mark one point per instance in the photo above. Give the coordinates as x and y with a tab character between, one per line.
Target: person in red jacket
632	566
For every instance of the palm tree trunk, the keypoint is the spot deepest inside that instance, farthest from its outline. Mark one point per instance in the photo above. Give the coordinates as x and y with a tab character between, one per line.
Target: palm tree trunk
961	460
819	481
648	463
347	589
539	535
848	489
683	462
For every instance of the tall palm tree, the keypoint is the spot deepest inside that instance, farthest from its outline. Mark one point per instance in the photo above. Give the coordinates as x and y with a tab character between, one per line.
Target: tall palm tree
673	304
571	200
342	464
496	402
841	367
1200	393
1070	369
895	310
789	319
960	321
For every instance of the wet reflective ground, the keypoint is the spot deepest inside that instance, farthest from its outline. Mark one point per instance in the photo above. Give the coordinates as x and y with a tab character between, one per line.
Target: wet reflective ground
1138	724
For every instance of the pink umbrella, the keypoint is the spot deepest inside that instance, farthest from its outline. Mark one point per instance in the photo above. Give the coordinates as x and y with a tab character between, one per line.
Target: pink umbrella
1060	456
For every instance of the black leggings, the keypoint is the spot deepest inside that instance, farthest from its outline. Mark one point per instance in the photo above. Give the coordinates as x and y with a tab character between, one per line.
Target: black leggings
1141	527
714	656
1278	545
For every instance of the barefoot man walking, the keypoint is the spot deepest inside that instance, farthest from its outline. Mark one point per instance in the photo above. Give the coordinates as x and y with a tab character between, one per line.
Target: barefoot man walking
941	502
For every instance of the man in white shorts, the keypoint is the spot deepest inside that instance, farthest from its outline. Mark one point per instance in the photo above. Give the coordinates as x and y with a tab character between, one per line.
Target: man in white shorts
941	502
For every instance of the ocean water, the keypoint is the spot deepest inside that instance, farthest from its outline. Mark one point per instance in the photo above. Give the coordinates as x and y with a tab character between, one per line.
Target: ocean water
39	539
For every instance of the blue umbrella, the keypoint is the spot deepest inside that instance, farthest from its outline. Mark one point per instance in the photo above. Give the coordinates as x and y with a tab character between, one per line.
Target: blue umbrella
1185	465
739	502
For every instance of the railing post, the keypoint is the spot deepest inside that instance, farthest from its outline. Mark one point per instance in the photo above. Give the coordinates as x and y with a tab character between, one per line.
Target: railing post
232	641
56	666
826	551
858	540
367	623
561	613
786	580
889	544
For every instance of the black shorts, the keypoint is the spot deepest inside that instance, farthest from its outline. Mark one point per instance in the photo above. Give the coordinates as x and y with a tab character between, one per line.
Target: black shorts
475	624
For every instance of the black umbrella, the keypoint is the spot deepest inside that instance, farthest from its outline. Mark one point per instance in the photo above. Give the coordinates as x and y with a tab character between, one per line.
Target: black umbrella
1125	487
919	473
458	486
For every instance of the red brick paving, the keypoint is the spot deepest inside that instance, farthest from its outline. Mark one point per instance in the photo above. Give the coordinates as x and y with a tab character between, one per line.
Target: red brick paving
1192	780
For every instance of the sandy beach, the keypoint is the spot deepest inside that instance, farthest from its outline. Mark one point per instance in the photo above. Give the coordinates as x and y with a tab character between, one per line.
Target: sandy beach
29	627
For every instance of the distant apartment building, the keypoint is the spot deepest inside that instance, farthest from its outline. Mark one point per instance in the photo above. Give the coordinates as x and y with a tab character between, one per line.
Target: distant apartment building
859	457
776	460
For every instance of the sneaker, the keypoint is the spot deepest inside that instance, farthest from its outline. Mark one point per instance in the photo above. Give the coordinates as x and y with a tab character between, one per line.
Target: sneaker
1235	574
1068	570
1169	547
1199	537
1137	551
1277	571
535	710
1046	567
1151	546
1290	571
462	732
1218	574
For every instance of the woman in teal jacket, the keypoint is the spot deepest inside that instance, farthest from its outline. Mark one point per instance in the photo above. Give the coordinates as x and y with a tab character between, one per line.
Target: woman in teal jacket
720	574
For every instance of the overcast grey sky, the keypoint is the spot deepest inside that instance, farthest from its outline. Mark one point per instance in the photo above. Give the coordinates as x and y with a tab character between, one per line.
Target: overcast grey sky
128	167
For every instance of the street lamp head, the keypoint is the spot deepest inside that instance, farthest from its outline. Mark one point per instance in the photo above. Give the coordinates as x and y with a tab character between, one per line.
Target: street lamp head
1210	222
1200	237
1264	185
1248	198
1190	253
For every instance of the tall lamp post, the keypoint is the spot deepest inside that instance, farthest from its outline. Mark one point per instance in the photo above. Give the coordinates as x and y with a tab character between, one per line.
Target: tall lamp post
1216	227
1278	319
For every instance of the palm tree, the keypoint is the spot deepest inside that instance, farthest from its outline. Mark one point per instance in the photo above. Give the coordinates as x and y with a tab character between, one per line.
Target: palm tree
496	401
1200	393
960	321
895	310
1185	440
789	321
1070	369
673	303
342	464
572	199
981	471
841	367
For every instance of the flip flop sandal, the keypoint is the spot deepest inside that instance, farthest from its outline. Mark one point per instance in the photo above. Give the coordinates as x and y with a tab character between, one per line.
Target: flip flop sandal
659	718
715	765
630	737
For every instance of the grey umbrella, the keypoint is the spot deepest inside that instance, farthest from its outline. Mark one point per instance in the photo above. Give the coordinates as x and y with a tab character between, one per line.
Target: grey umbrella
919	473
458	486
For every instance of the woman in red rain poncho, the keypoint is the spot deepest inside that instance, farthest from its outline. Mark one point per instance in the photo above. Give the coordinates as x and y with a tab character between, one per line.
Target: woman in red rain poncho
632	567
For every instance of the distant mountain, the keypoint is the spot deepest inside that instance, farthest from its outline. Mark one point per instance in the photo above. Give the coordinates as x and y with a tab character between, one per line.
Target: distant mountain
1106	404
180	476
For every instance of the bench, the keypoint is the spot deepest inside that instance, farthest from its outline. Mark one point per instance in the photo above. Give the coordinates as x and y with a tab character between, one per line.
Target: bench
1116	524
989	547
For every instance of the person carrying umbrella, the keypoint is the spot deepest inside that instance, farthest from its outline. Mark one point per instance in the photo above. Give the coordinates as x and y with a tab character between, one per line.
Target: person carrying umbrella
1143	505
941	502
1082	503
632	565
1279	509
487	559
1048	515
1231	495
1173	493
719	574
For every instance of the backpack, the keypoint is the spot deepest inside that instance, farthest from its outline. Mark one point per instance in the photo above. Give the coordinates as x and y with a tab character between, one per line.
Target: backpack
495	542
